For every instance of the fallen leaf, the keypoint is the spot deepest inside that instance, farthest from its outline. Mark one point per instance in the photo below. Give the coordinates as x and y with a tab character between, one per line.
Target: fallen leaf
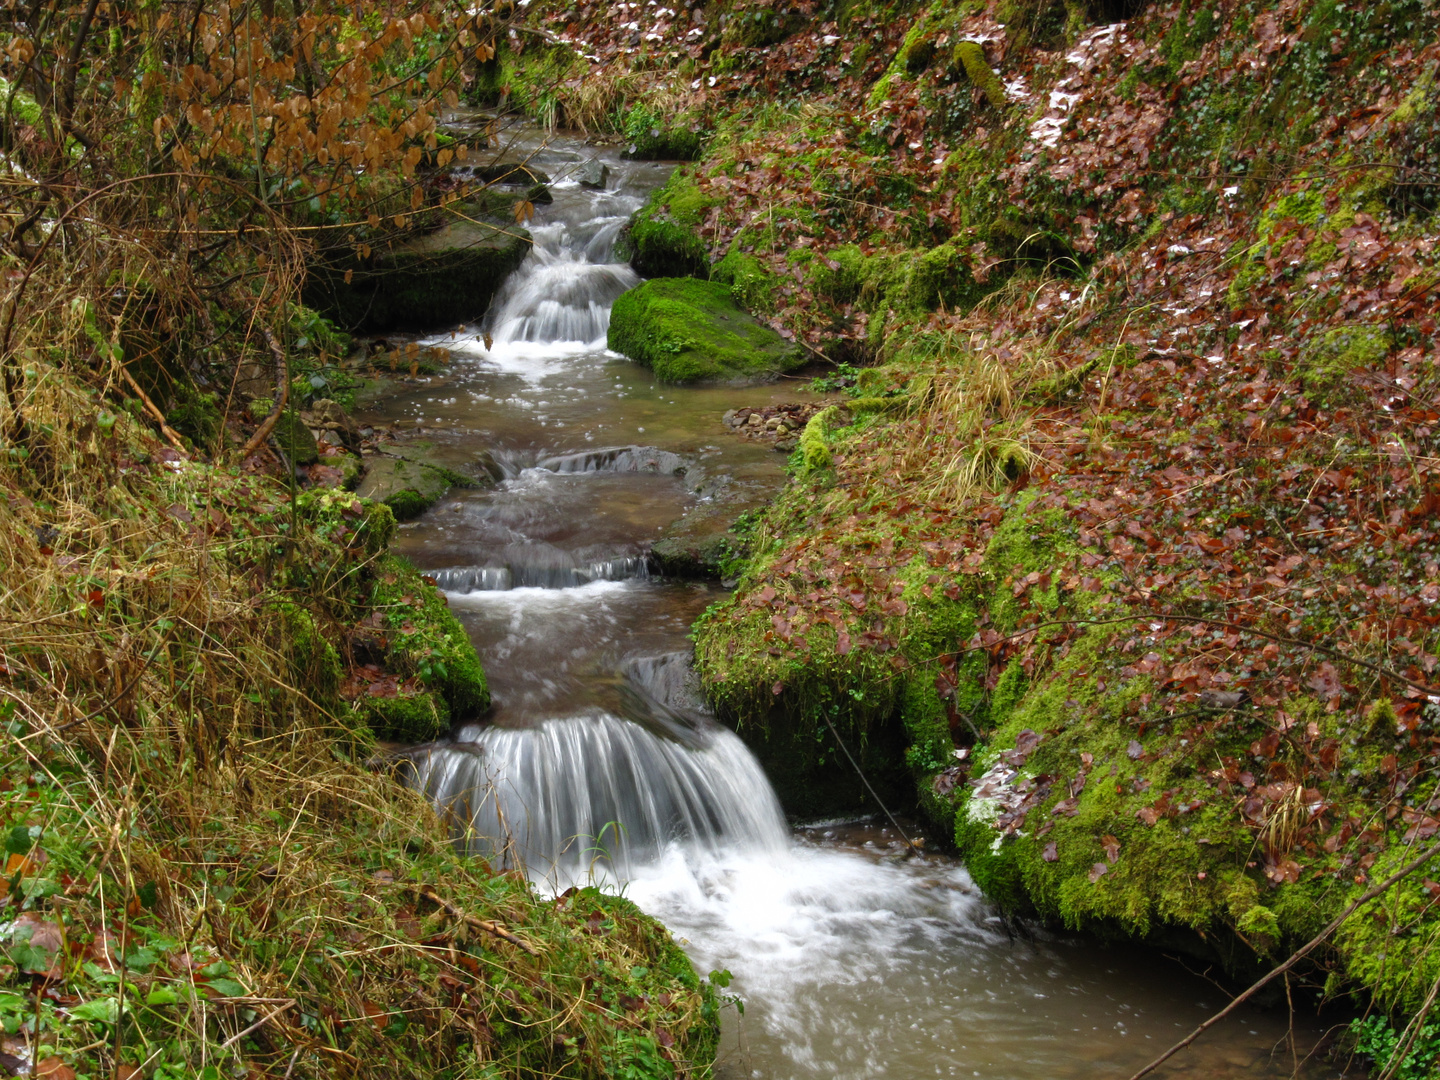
1111	846
1098	871
55	1069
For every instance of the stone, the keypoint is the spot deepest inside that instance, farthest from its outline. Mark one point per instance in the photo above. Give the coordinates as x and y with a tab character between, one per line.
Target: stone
594	174
756	420
508	172
687	330
440	279
729	418
293	439
408	487
330	416
540	195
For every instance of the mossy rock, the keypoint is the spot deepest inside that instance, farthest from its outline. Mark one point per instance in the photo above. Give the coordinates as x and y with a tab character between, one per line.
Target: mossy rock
408	487
440	279
661	240
424	641
751	284
693	331
654	137
195	415
294	440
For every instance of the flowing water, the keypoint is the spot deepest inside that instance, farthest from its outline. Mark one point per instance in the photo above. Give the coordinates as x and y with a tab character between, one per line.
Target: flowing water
600	761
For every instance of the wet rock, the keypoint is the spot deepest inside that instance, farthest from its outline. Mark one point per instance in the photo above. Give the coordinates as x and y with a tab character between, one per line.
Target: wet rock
693	331
540	195
594	174
440	279
507	172
778	422
406	481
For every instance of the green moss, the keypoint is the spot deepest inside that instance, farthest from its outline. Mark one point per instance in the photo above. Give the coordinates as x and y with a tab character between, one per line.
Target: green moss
1325	364
661	240
314	662
970	55
424	641
751	284
294	440
655	137
814	449
196	415
688	330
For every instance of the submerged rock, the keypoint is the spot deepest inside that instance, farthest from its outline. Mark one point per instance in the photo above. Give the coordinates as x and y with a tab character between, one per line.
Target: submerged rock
443	278
693	331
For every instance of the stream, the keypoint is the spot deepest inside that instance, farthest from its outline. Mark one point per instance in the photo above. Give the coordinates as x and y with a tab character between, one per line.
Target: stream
600	761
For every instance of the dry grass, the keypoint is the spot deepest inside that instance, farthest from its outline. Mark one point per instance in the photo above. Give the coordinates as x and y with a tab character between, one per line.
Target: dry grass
212	862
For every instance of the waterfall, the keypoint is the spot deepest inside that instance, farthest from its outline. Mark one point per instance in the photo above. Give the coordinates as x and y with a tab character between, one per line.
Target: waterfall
564	289
597	795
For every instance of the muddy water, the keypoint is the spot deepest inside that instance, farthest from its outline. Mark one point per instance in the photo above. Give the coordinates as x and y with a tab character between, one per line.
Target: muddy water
600	760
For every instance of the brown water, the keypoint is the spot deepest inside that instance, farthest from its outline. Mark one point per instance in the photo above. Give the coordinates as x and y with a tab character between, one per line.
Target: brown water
851	963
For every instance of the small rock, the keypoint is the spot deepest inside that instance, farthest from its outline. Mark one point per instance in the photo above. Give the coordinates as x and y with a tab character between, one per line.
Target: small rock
773	424
594	174
729	418
756	420
786	446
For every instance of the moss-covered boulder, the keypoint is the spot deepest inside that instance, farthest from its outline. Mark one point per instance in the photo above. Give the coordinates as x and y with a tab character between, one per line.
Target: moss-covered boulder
294	439
442	278
443	680
693	331
655	137
662	238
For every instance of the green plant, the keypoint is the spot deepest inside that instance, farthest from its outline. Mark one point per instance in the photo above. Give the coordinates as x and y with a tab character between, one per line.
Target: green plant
1381	1043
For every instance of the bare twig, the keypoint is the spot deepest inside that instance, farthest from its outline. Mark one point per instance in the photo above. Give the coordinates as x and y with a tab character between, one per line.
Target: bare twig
1295	957
489	927
171	435
282	395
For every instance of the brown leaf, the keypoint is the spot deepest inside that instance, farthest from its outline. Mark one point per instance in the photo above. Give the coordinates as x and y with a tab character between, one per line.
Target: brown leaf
1111	846
54	1069
1098	871
375	1014
1051	852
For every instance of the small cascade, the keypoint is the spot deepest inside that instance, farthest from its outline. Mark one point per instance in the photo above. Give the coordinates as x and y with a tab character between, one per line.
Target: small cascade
468	579
596	795
616	459
564	289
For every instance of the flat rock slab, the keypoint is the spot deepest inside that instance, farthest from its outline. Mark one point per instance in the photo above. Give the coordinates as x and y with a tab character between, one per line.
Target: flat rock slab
407	482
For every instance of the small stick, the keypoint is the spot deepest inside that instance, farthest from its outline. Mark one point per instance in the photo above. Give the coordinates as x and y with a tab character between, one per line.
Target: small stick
1295	958
171	435
282	395
287	1003
453	910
